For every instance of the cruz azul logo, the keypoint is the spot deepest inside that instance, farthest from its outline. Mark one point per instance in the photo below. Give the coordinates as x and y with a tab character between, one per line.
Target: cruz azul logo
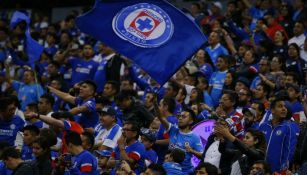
144	25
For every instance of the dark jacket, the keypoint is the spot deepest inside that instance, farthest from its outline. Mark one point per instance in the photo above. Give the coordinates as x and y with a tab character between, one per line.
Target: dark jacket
225	161
43	165
301	147
138	113
25	169
245	162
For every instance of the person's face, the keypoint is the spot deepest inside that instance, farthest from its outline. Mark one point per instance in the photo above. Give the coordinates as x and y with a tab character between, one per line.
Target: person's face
278	37
155	124
292	93
275	64
228	79
169	92
180	96
50	39
37	150
195	109
85	91
249	140
9	112
200	55
55	84
106	119
64	39
88	51
213	38
10	163
292	52
85	144
263	66
225	102
259	93
146	142
289	79
231	8
28	77
28	137
52	69
248	57
221	64
201	171
149	100
256	168
242	50
239	86
124	104
108	90
243	95
184	120
59	57
43	105
128	132
298	29
167	158
248	119
194	95
280	110
125	85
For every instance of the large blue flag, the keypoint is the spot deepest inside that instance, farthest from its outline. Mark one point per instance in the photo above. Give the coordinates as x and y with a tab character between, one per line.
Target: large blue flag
32	48
153	33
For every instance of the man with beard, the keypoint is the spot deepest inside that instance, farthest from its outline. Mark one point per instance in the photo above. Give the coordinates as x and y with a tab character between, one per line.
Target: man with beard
181	137
244	99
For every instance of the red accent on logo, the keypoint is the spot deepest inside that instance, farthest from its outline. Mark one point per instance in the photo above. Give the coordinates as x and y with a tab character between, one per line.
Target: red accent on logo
141	14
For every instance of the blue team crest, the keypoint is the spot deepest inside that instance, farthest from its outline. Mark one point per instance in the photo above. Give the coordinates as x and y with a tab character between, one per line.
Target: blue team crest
144	25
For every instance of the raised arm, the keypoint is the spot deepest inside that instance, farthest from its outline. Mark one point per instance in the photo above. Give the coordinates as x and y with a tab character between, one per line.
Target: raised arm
48	120
65	96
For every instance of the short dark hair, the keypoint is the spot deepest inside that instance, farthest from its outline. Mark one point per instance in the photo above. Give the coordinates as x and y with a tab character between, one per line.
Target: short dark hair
174	86
42	142
33	107
157	169
10	152
233	96
211	169
5	102
261	107
50	135
91	83
89	138
171	104
266	166
73	138
135	127
49	98
275	101
115	85
177	155
32	129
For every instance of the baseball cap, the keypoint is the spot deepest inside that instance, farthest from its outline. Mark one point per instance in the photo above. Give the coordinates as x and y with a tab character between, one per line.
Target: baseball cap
103	153
107	110
148	134
218	5
250	110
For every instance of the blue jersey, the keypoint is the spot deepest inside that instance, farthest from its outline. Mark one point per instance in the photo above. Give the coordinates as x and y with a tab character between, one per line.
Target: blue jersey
84	164
9	129
161	134
180	140
215	52
172	168
4	170
217	82
27	93
82	70
136	152
27	153
150	157
100	76
281	141
88	119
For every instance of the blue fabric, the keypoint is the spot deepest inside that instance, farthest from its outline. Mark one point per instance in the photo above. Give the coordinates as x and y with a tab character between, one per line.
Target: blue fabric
32	48
168	57
9	129
82	160
88	119
281	141
180	140
4	170
172	168
217	82
100	76
27	153
82	70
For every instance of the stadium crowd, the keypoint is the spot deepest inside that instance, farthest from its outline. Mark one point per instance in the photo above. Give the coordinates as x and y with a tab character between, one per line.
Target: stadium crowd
86	109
